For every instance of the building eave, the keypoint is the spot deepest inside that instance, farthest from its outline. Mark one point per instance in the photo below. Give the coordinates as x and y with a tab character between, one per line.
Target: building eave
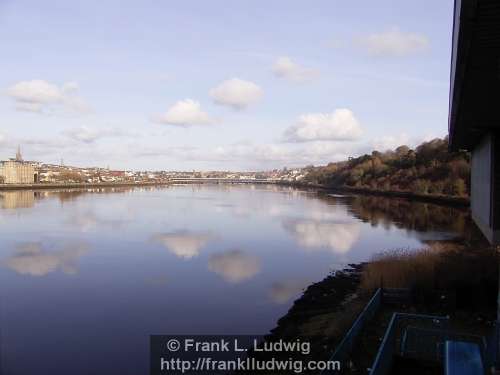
475	73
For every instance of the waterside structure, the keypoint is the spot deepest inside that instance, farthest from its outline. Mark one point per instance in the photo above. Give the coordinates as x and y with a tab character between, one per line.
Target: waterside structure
18	171
474	119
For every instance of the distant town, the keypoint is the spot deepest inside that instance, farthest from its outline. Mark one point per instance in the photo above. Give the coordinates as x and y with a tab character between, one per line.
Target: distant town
19	171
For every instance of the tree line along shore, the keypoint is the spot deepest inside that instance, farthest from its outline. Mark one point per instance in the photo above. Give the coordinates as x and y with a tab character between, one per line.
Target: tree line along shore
429	170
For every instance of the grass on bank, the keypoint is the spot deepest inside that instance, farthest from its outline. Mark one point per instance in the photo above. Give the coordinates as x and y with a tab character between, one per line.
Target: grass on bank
402	268
470	274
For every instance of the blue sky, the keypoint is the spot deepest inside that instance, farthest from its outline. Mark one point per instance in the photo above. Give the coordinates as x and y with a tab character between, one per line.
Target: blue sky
182	85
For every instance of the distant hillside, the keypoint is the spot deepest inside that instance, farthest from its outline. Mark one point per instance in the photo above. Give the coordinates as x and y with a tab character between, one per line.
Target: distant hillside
428	169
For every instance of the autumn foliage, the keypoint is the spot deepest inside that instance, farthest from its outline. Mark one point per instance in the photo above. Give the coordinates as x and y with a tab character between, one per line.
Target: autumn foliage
427	169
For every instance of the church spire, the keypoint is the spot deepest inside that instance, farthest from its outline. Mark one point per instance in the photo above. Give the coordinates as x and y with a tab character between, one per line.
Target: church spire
19	157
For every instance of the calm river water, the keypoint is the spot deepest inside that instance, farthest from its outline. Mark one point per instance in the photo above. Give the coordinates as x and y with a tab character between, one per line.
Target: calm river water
87	275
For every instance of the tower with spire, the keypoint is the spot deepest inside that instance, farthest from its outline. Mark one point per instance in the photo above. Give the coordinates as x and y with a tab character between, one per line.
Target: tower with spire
19	157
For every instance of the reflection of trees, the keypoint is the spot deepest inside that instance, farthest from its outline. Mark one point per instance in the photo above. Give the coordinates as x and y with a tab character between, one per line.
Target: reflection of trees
69	195
405	214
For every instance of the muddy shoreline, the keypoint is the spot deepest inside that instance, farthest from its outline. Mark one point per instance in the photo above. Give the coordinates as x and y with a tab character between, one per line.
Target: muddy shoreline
321	307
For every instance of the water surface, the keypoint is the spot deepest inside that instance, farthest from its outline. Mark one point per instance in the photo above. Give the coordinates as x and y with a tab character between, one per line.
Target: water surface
87	275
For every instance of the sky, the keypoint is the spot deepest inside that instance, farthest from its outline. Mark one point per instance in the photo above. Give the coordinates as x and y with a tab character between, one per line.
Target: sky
220	85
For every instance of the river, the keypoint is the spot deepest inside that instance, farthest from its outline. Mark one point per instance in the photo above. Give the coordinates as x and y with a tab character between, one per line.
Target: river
87	275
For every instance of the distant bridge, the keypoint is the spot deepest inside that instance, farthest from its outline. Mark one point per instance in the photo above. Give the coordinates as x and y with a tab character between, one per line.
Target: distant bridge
215	180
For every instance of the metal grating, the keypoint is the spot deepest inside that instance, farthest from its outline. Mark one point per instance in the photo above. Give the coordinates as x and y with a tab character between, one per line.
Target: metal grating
428	344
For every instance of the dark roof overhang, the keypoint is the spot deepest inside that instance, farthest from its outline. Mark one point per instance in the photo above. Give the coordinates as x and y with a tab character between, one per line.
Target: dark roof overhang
475	72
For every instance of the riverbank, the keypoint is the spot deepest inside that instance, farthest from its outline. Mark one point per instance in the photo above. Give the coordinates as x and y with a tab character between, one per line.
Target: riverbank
325	311
448	279
43	186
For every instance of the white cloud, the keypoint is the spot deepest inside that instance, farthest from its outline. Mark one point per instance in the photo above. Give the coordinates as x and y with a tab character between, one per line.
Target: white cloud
319	152
184	244
340	125
76	104
70	87
251	156
185	112
394	43
391	142
234	266
236	93
40	96
88	135
29	107
263	152
83	134
285	68
36	91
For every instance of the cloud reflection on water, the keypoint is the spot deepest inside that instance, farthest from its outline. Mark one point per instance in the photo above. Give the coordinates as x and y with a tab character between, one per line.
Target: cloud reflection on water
32	259
234	266
90	221
184	244
339	237
283	291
